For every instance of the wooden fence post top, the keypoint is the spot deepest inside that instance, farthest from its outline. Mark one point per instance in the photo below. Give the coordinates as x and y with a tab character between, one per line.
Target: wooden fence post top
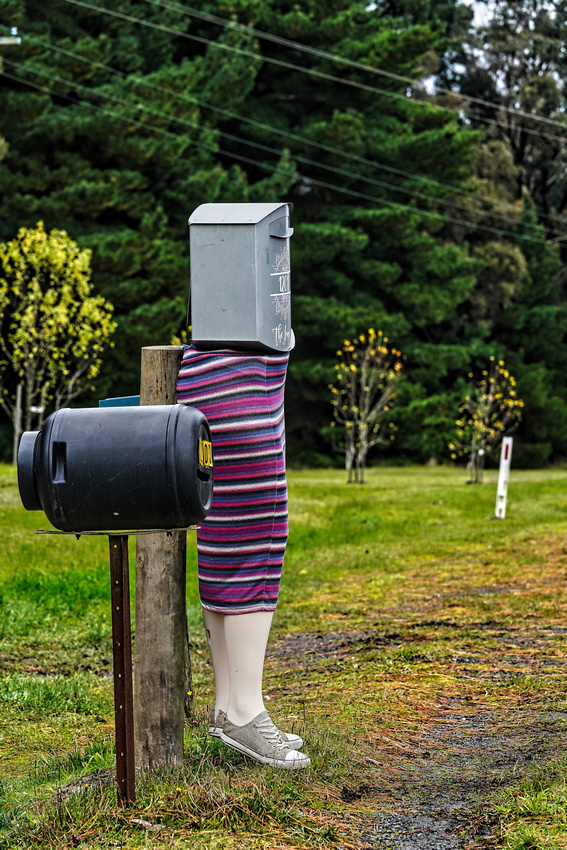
160	365
162	347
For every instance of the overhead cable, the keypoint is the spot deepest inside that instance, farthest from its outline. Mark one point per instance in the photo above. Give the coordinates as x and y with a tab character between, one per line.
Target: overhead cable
405	97
335	57
402	208
425	105
266	148
276	131
188	98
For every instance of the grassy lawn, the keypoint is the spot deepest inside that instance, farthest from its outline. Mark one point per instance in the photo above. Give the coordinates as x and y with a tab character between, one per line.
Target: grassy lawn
418	647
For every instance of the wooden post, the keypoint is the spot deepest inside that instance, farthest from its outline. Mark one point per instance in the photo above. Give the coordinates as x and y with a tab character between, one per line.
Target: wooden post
161	655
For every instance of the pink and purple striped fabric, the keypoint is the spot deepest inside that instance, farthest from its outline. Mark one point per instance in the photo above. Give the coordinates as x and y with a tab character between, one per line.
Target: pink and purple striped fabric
242	542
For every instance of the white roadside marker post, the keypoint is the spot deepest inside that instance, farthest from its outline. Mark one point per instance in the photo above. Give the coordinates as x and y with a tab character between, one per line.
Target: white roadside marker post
503	477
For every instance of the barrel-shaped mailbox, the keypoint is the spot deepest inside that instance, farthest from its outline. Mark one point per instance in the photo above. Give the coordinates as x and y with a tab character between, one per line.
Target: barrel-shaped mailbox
119	468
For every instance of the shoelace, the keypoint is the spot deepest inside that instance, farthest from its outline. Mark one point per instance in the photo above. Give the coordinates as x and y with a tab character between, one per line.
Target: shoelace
270	733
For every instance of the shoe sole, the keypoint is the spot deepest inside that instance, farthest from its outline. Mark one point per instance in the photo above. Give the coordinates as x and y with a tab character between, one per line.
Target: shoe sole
294	764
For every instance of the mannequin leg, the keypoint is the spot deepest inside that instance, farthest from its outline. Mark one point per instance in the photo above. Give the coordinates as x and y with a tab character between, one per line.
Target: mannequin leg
248	727
247	693
246	637
237	645
214	629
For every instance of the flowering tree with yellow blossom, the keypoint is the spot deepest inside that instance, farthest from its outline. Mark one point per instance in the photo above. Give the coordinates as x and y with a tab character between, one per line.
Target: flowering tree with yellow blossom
368	373
53	329
491	410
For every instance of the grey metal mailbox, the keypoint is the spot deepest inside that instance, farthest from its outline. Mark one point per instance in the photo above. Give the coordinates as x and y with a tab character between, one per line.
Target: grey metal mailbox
241	276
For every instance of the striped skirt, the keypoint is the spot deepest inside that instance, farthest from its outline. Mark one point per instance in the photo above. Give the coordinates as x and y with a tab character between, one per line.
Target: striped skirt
242	542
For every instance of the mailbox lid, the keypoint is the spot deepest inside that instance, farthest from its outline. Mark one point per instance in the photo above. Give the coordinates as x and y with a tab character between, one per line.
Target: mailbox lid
234	213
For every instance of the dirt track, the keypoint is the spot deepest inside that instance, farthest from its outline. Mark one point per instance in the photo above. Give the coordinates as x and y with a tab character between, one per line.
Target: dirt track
434	796
466	755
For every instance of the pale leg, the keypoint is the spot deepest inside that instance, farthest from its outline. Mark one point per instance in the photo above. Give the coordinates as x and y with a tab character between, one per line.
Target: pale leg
214	629
237	644
246	638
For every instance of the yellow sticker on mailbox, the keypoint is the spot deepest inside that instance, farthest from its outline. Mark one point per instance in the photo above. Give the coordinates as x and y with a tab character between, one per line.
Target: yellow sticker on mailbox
205	453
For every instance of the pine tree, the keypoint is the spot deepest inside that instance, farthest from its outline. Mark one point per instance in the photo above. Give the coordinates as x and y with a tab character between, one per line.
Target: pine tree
108	141
516	61
121	122
122	118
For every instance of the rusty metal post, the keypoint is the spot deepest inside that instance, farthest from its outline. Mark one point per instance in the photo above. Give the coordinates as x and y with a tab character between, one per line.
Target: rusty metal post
122	665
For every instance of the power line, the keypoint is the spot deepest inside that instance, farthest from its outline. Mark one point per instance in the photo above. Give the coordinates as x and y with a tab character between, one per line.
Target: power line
230	48
254	123
275	169
299	158
189	11
427	105
266	148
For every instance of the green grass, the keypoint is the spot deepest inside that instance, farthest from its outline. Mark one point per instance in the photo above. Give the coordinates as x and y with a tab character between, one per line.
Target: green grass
418	608
535	814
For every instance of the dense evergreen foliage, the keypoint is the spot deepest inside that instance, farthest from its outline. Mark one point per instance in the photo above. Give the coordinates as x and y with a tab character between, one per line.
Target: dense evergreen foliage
514	69
412	214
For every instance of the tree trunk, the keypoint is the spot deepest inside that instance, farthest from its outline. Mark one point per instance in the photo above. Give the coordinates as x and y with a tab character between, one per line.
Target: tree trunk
17	423
480	467
361	453
475	466
349	456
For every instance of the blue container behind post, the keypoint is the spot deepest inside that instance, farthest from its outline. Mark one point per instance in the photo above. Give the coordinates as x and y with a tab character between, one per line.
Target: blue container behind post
121	401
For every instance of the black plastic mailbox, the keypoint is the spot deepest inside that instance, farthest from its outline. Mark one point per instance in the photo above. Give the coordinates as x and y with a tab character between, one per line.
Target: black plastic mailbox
119	468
